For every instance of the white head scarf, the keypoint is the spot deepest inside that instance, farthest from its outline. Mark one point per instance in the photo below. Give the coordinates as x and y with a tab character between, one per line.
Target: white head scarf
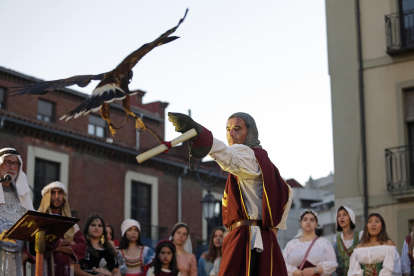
187	246
350	213
128	223
55	185
22	187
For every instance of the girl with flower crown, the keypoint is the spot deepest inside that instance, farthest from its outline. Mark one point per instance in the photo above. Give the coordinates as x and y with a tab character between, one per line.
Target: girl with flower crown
186	261
309	254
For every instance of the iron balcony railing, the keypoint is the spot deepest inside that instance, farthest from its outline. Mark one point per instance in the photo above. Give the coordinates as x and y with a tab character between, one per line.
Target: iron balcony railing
399	167
399	29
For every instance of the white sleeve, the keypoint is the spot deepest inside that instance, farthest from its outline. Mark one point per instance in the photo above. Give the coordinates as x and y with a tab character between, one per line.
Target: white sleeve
405	259
237	159
290	269
330	265
282	223
391	265
150	271
354	266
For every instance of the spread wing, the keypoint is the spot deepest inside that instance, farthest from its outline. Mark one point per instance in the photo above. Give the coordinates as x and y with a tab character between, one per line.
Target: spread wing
130	61
114	86
41	88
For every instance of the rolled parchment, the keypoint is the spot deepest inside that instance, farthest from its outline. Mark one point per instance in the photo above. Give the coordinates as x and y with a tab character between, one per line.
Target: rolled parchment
161	148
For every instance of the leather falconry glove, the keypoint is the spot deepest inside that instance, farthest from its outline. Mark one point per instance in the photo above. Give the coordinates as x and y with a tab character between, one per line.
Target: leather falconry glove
198	146
184	123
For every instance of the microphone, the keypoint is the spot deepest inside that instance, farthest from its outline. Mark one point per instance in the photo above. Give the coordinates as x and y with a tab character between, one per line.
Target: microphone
7	178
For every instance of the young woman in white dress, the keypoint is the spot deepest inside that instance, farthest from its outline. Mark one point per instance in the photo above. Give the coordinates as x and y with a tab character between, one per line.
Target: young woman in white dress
319	260
376	255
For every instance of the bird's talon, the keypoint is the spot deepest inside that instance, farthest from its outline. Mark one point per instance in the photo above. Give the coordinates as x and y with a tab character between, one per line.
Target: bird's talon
113	131
139	125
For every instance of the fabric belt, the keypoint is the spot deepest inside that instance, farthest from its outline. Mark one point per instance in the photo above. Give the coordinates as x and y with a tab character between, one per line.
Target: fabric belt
243	222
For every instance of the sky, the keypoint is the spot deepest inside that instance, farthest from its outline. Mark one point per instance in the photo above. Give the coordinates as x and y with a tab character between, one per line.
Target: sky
265	58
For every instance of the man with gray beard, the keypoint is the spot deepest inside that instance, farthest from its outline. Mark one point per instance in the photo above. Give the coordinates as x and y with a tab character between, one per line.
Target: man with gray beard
14	202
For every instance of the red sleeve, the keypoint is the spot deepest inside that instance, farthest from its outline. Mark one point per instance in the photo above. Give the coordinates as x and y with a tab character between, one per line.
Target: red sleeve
79	249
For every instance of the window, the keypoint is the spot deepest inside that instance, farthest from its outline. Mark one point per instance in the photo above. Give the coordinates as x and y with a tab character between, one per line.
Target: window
96	126
2	96
141	206
44	111
306	203
406	21
45	173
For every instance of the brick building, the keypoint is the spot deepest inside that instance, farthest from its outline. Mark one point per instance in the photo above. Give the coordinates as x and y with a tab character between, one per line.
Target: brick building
101	173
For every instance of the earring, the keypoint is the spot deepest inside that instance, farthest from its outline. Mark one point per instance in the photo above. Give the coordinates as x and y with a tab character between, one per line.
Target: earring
102	239
87	237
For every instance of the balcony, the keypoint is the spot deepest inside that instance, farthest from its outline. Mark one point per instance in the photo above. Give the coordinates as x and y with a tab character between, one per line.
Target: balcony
399	31
399	172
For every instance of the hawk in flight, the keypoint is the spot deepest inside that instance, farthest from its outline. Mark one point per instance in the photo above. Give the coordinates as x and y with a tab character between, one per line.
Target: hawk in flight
113	85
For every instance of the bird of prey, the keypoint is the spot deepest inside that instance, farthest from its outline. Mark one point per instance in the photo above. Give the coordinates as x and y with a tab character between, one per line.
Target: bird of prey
113	85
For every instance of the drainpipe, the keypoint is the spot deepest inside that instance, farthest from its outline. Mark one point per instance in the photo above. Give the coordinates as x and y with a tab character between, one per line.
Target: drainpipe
362	112
179	193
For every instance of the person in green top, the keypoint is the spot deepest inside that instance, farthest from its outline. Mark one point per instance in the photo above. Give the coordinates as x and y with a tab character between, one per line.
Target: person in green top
346	241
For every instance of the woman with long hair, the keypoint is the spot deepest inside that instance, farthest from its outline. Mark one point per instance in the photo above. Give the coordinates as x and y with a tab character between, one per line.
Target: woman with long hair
345	243
98	248
186	261
376	254
137	257
407	257
165	263
206	261
309	254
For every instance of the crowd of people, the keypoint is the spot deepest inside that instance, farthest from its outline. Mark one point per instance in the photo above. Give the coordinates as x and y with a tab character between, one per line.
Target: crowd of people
369	252
256	204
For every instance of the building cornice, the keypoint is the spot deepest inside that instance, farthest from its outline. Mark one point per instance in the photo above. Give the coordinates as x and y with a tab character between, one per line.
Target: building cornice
17	126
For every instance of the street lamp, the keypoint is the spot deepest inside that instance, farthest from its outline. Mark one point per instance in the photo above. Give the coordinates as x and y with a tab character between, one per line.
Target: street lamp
209	205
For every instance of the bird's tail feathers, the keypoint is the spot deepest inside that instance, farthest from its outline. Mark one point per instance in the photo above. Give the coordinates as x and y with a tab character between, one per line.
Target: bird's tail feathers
95	101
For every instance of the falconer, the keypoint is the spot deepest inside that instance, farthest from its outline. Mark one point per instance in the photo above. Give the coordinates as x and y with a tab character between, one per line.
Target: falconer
14	202
72	248
256	199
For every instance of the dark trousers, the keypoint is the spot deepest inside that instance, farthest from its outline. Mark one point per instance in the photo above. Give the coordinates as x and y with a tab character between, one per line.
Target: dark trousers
254	262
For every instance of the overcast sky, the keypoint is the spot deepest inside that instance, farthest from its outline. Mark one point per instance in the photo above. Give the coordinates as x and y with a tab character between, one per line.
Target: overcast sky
266	58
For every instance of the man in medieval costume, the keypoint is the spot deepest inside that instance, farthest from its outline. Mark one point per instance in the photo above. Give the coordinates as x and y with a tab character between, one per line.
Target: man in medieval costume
256	199
14	202
72	248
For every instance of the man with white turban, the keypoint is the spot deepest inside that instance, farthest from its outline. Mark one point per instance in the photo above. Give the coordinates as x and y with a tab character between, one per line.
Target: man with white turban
14	202
256	199
72	248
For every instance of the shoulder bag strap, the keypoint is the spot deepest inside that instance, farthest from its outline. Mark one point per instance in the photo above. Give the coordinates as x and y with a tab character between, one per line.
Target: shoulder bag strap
307	252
